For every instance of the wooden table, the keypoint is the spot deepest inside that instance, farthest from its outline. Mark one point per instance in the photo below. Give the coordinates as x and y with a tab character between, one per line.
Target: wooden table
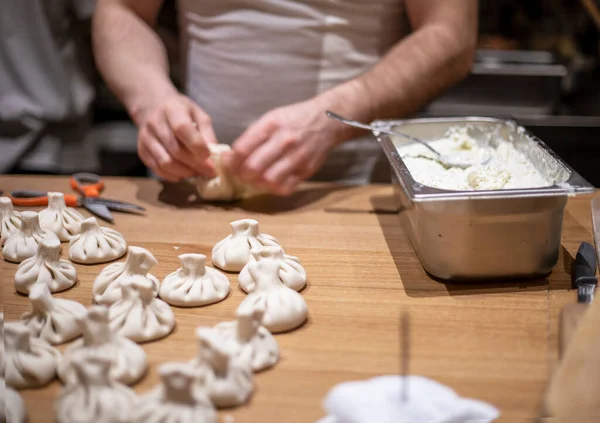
497	343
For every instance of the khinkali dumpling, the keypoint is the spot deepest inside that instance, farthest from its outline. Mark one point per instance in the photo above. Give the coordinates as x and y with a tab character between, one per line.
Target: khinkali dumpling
180	398
30	362
291	272
285	309
94	396
232	253
221	187
12	406
47	268
194	284
139	315
53	319
95	244
10	219
24	243
107	286
58	218
227	379
128	359
251	341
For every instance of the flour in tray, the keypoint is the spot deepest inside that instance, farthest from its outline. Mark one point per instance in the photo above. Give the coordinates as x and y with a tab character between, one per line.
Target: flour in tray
507	169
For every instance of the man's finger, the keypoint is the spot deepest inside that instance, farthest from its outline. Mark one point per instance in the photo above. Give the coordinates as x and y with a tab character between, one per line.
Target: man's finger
285	167
180	120
249	141
167	163
161	130
151	162
204	124
290	185
264	157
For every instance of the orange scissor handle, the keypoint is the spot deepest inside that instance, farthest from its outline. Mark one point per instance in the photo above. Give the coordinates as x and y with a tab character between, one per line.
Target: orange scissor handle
26	198
87	184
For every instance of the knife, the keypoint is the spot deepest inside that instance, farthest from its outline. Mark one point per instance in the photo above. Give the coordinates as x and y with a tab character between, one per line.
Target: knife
584	280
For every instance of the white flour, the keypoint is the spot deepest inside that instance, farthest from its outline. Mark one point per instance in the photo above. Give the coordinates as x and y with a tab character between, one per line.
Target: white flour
508	168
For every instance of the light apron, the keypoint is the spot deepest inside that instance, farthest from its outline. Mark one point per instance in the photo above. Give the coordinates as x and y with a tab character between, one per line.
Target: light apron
246	57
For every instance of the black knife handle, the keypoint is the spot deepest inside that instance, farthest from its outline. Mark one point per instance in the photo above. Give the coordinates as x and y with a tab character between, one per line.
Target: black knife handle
584	273
585	262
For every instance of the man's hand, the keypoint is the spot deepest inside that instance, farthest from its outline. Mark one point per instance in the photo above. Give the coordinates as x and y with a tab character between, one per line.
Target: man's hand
284	147
173	139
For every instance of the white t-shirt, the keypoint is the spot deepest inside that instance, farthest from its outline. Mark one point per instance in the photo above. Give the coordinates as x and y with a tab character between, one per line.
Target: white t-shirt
246	57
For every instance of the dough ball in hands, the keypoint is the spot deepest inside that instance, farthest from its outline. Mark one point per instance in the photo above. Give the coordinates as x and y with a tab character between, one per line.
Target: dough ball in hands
58	218
138	315
128	359
291	272
221	187
30	362
93	396
24	243
107	286
53	320
194	284
95	244
12	406
228	380
46	267
232	253
250	340
179	398
285	309
10	219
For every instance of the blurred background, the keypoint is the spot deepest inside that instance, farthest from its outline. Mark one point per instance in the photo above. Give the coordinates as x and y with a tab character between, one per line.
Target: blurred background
538	62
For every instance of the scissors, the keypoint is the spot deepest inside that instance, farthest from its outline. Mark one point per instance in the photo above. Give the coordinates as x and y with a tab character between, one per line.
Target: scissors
88	186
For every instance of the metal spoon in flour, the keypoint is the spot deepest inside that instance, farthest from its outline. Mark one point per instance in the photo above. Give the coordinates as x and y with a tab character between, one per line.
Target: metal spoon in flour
445	159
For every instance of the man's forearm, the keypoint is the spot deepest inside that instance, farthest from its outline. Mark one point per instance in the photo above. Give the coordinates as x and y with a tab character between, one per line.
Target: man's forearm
131	56
413	73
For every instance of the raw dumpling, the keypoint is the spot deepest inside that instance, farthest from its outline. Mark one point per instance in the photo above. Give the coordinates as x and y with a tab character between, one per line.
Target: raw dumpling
138	315
128	359
232	253
10	220
93	396
107	286
194	284
58	218
30	362
47	268
228	380
180	398
285	309
12	406
251	341
95	244
53	319
291	272
24	243
221	187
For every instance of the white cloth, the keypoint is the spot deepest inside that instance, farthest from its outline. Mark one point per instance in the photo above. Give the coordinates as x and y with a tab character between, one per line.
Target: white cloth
246	57
379	400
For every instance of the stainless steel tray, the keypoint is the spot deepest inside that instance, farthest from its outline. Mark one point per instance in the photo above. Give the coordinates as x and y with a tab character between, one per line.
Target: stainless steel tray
474	235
